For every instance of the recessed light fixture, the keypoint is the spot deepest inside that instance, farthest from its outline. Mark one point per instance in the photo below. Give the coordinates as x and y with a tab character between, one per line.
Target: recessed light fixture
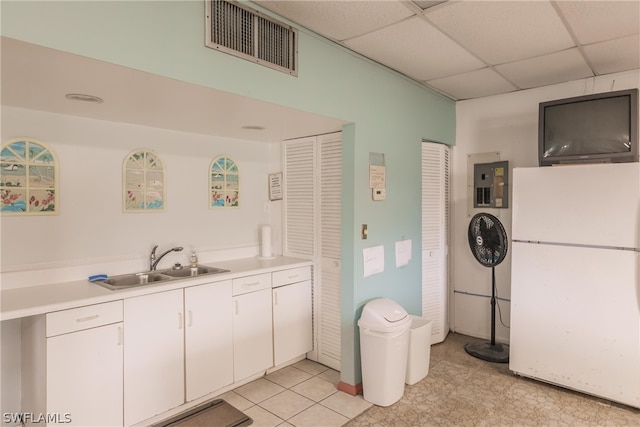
81	97
253	127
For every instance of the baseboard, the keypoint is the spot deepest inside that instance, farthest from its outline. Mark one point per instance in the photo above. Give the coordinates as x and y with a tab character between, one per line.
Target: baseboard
353	390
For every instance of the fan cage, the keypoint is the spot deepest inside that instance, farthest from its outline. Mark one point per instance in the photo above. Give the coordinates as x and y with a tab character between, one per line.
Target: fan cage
487	239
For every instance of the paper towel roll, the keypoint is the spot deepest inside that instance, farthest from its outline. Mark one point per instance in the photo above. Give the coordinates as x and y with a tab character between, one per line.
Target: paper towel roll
265	244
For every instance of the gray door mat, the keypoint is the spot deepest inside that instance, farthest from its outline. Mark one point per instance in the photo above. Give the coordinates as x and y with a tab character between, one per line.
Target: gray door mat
215	413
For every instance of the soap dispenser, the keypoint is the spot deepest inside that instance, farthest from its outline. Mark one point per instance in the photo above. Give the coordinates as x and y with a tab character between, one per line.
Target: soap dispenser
193	260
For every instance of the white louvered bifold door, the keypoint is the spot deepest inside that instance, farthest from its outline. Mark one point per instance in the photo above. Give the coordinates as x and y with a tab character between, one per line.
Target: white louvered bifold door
312	230
300	194
435	237
330	249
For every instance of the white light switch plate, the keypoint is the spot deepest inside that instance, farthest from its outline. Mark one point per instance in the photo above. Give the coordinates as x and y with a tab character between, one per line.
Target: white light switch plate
378	193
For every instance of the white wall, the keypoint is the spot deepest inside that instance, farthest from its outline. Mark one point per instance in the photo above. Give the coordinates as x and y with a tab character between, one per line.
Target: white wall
507	124
92	234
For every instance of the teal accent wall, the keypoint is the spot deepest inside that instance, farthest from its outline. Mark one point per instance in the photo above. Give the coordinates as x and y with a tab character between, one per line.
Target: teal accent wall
388	113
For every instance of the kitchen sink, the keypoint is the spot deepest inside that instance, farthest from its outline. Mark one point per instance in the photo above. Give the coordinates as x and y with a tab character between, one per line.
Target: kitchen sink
193	271
140	279
130	280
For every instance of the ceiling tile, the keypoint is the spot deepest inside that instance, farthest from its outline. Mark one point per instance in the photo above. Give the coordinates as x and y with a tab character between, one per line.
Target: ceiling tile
415	48
594	21
546	70
475	84
340	20
614	55
503	31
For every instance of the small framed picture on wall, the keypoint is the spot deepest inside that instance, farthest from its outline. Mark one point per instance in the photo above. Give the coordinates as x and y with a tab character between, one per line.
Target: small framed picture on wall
275	186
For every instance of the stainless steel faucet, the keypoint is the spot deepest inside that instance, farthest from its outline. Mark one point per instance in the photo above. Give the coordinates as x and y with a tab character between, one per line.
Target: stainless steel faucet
153	260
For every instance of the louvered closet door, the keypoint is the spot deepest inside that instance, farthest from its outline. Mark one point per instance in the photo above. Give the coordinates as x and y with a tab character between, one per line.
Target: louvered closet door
300	195
313	210
330	250
435	237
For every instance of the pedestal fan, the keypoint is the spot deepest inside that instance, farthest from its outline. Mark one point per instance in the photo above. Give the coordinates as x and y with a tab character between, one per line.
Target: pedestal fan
488	243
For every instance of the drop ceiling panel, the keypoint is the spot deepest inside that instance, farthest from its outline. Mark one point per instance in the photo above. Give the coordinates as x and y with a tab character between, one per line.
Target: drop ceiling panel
546	70
475	84
340	20
467	36
417	49
448	47
591	21
503	31
614	55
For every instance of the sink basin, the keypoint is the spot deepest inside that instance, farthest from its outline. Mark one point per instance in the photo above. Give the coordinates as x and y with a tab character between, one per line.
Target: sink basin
193	271
140	279
130	280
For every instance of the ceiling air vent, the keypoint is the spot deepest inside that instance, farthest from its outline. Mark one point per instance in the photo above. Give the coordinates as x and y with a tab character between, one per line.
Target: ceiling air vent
246	33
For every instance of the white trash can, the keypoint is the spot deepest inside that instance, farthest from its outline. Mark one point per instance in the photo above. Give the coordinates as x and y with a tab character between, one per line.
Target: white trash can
384	344
419	349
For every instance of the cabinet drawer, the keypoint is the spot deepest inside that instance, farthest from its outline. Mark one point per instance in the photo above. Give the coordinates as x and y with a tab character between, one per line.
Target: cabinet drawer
77	319
292	275
242	285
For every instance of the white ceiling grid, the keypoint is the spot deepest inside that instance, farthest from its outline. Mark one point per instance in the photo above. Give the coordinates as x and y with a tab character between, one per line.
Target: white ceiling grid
462	49
472	48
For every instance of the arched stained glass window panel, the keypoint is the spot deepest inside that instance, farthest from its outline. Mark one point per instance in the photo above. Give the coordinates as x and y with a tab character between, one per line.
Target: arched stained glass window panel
224	183
28	178
144	178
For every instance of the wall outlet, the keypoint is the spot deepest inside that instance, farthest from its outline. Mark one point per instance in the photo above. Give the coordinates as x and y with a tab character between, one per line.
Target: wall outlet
378	193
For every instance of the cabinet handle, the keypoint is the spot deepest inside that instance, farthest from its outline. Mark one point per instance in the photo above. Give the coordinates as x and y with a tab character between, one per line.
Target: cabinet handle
179	320
119	342
190	318
294	276
86	319
236	305
275	298
253	284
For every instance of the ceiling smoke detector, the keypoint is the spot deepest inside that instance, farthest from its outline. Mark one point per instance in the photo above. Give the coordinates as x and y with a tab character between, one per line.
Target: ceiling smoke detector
81	97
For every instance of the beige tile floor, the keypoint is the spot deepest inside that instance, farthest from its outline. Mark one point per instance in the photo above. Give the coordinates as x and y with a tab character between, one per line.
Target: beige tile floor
459	390
303	394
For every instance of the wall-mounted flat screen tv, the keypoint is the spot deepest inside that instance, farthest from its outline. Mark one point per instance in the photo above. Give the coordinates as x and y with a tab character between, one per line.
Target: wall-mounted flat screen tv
597	128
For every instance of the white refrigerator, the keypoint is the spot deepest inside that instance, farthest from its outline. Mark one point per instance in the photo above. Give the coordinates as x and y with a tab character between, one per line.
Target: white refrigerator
575	302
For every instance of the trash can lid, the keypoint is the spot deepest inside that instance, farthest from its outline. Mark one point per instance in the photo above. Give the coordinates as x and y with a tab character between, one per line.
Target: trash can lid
384	315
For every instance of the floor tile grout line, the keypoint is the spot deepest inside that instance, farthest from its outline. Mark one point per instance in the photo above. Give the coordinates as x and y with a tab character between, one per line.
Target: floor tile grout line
339	413
278	416
303	381
315	403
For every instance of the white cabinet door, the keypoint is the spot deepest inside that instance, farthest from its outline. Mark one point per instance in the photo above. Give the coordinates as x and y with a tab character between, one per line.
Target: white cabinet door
84	377
153	355
208	338
252	333
292	327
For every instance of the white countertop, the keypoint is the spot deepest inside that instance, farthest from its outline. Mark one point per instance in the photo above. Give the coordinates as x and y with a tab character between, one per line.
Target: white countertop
33	300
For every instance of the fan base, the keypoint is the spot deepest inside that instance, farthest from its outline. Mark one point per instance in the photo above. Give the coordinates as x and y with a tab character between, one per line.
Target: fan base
498	353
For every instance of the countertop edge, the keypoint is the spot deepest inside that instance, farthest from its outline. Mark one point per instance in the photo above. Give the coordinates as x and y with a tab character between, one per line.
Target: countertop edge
35	300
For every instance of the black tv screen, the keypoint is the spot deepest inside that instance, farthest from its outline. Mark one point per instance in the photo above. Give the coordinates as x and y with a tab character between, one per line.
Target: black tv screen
599	128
